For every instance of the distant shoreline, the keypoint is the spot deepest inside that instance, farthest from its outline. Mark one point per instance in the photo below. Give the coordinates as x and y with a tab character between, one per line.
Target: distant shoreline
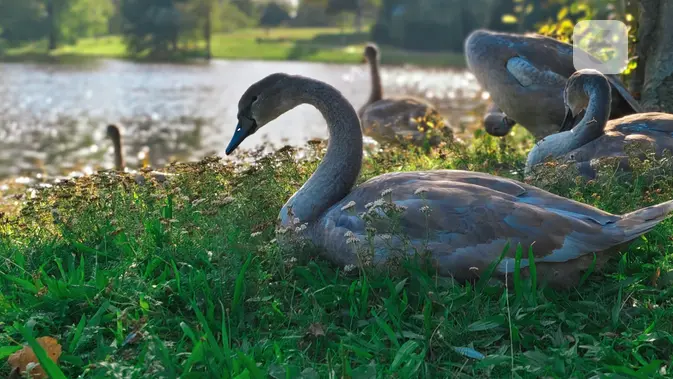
323	45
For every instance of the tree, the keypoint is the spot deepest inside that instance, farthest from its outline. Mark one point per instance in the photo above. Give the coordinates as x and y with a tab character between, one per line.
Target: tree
69	20
653	76
273	14
151	26
22	20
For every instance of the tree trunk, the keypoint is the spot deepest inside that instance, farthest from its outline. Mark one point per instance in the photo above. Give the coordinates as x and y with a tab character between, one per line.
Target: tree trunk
208	32
358	16
653	77
51	19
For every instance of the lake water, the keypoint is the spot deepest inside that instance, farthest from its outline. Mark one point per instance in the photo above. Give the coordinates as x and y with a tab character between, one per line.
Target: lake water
53	117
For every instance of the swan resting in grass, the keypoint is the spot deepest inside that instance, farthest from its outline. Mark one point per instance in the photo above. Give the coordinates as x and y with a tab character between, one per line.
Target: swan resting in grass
461	220
525	75
587	97
114	133
398	118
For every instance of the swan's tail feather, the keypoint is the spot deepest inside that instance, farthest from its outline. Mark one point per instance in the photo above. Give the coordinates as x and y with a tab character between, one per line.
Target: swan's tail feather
643	220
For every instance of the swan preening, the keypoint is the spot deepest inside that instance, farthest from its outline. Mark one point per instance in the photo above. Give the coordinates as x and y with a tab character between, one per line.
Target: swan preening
462	219
397	118
525	76
587	94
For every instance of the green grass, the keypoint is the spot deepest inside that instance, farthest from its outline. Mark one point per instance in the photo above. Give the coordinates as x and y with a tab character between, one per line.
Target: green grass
299	44
184	279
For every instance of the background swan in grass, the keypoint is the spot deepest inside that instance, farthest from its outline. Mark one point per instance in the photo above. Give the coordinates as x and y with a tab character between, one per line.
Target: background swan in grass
115	135
463	219
114	132
593	137
405	118
525	76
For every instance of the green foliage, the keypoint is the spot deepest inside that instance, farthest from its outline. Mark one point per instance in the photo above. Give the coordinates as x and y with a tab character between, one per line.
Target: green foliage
151	26
83	18
183	278
273	15
22	20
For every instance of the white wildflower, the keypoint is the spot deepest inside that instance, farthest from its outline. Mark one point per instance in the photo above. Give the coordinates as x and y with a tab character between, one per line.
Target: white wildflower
386	237
386	192
420	190
348	206
376	204
349	234
301	228
349	268
296	220
425	209
292	260
255	234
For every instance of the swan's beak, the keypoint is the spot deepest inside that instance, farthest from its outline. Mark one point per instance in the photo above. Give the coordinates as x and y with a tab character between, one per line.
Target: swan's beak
242	132
568	121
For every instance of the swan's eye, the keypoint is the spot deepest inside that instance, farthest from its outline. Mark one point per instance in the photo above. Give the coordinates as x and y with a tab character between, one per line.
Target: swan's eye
254	98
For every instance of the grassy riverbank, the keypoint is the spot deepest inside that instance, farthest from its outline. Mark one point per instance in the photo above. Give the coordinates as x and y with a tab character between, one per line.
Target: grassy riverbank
299	44
185	279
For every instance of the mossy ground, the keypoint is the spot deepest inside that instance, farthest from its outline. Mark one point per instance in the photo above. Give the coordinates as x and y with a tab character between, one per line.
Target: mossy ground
184	279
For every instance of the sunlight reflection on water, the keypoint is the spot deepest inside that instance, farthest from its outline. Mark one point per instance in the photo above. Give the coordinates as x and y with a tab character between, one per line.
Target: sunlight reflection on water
53	117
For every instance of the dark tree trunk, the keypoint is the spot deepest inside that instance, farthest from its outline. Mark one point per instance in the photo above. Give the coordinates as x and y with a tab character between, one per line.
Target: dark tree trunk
358	16
653	77
51	19
208	32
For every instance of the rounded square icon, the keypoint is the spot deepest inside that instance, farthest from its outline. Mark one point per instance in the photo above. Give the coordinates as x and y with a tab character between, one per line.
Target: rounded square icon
602	45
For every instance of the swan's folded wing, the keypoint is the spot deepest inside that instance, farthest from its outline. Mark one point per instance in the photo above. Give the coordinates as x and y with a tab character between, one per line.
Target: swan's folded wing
465	220
528	75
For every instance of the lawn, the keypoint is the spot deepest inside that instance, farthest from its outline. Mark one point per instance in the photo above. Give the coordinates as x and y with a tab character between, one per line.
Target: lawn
302	44
185	279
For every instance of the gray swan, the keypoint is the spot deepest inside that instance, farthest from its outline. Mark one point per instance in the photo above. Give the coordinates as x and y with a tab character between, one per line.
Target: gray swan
114	133
462	219
397	118
587	94
526	74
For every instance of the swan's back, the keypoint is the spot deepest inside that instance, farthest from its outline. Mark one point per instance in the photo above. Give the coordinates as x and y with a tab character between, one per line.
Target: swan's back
464	219
636	134
525	75
402	118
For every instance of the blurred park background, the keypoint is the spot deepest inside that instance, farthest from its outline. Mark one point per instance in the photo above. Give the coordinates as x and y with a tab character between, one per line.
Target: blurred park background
424	32
172	71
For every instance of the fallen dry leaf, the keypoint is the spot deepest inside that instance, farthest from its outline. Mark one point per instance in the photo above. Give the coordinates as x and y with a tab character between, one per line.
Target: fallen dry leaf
25	359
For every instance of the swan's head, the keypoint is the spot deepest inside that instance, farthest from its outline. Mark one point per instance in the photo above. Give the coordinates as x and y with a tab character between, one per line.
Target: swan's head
497	124
113	132
262	103
578	90
371	53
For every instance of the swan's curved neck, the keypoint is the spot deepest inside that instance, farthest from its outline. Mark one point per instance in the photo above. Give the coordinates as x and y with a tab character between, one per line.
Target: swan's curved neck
377	89
119	153
596	116
337	173
589	128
